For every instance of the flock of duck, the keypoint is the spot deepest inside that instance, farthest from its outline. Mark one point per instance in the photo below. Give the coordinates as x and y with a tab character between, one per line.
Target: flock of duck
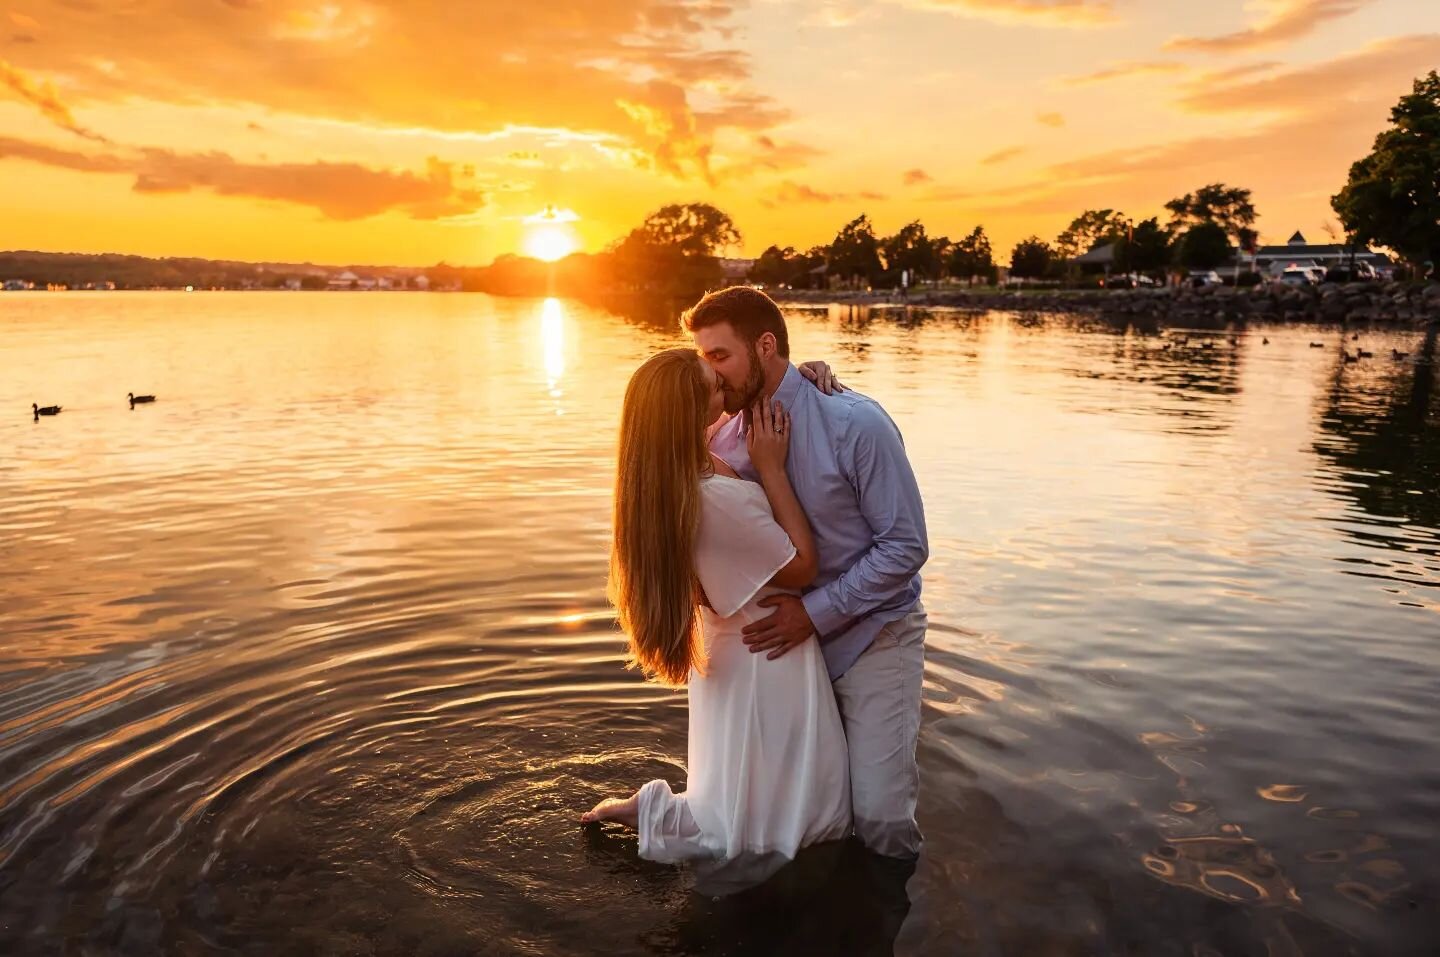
40	410
1360	353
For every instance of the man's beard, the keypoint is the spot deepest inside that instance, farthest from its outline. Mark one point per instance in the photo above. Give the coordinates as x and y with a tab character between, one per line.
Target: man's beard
737	401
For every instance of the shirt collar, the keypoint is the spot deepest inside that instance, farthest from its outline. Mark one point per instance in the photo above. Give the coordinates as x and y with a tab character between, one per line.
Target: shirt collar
790	386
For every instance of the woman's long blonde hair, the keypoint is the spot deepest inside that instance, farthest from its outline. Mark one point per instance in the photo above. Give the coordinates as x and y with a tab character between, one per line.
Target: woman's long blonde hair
657	513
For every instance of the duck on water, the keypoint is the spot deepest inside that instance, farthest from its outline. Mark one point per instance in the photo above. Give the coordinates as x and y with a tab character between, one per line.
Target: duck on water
40	410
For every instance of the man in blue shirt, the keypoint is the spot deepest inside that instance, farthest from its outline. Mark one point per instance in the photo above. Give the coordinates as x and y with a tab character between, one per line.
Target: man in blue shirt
848	466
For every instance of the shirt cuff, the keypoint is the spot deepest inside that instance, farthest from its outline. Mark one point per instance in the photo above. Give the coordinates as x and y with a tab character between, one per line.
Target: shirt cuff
822	611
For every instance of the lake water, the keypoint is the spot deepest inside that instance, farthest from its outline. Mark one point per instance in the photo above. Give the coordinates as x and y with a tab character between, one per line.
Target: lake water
313	656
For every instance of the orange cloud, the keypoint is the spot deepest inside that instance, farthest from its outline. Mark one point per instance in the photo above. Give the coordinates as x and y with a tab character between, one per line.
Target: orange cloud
1373	73
42	95
1062	13
1050	119
1001	156
341	191
913	177
631	70
1286	20
1305	150
11	148
792	192
1120	71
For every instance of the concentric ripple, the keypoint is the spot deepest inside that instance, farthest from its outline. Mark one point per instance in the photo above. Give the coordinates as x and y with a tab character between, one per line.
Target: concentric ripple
313	655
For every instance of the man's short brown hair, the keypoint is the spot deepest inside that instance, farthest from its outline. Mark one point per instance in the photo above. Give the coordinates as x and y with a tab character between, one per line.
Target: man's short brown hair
749	311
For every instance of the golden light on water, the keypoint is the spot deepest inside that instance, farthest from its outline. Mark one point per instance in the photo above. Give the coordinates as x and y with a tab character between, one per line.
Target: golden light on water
552	344
549	234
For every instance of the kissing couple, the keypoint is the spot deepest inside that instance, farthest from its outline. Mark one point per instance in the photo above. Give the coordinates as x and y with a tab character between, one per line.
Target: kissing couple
768	538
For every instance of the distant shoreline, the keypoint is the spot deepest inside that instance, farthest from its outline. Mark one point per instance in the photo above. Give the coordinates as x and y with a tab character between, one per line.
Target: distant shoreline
1414	302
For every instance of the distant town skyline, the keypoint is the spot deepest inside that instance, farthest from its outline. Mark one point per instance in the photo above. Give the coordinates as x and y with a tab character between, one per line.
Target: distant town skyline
410	134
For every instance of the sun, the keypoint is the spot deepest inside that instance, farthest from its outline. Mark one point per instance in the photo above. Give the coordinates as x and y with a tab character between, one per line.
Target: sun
549	235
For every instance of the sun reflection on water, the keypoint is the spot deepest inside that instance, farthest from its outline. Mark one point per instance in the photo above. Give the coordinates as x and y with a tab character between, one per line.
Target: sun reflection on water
552	344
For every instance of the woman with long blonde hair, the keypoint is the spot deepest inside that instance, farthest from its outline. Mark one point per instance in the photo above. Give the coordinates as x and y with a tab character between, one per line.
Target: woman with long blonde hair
695	550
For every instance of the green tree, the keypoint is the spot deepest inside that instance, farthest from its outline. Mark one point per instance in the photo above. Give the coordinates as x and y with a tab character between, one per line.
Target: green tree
1031	258
1230	208
1393	195
1145	249
694	229
854	254
972	256
775	266
910	250
1092	228
1204	246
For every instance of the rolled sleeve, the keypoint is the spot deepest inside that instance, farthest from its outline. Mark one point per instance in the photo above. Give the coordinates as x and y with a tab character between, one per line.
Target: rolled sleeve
873	456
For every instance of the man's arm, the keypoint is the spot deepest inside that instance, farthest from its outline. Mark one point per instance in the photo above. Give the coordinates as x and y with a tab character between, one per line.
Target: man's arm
889	499
874	460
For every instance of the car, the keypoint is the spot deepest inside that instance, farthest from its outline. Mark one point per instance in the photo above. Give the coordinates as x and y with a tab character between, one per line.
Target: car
1129	280
1297	277
1358	272
1209	278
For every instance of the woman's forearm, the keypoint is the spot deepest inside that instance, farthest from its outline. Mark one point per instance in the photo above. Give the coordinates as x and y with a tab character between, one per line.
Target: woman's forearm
788	513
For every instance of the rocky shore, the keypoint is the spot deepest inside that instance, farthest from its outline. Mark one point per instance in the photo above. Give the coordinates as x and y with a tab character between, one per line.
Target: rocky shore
1407	303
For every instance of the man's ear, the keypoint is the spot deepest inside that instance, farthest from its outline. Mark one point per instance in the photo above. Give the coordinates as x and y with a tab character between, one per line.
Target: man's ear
766	345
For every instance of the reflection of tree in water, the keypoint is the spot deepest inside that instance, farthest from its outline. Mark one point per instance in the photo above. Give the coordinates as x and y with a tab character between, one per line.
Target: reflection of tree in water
652	313
1383	432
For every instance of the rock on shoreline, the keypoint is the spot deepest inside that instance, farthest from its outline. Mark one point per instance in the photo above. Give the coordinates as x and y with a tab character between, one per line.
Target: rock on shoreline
1416	303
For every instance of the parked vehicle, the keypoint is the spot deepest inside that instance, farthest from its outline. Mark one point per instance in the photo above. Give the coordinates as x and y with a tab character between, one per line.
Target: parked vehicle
1129	280
1359	272
1210	278
1297	277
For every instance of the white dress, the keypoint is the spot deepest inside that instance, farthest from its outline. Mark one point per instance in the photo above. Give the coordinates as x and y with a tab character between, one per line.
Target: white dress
768	769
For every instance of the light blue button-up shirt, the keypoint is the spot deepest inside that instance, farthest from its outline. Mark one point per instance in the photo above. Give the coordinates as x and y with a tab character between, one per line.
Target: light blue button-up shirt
848	465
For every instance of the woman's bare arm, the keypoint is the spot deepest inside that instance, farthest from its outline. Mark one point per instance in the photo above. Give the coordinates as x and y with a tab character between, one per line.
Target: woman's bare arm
768	440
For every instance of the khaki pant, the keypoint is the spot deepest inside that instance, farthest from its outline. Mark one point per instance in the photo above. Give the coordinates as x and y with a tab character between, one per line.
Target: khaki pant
879	699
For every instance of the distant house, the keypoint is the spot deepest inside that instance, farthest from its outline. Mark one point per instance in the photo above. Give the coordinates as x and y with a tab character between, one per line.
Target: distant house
294	284
17	285
384	282
1298	253
366	282
344	280
1101	257
735	270
421	283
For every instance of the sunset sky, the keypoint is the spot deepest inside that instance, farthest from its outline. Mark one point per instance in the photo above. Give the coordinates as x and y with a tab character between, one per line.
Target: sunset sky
381	132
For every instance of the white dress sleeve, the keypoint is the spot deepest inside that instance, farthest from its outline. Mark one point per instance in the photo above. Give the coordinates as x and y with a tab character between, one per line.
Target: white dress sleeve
740	546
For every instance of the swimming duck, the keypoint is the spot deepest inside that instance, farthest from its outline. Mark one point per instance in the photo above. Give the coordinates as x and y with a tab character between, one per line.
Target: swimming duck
44	410
134	399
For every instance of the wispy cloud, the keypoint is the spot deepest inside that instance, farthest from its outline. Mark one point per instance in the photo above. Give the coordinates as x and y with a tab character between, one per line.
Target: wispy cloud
913	177
1374	72
1125	70
1282	21
1058	13
657	75
341	191
42	95
790	191
1055	120
1000	156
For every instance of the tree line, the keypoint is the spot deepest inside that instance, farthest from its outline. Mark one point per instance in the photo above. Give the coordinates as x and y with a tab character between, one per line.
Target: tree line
1391	199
